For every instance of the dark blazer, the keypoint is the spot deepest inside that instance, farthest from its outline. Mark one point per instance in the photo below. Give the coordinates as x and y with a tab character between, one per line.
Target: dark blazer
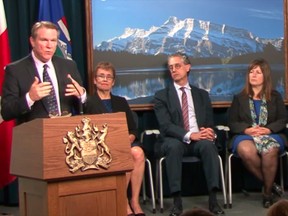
170	144
239	115
18	79
94	105
169	114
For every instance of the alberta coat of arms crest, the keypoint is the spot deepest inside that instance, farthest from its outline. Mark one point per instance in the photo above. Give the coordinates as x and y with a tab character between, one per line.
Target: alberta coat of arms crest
86	148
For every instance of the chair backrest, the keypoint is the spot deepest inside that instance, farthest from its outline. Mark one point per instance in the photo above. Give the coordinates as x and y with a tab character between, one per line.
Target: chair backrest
149	132
149	140
135	117
222	140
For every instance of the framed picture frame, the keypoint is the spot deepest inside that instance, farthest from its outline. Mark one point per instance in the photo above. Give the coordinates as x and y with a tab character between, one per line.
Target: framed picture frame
137	38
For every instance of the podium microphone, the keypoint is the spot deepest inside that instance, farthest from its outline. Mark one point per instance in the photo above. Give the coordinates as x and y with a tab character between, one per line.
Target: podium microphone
79	100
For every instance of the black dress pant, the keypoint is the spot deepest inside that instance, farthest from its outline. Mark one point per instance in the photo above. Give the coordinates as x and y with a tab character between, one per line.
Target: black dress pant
174	150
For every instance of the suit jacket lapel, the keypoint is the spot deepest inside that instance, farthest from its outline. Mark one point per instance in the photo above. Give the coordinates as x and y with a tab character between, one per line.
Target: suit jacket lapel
246	106
197	105
173	94
32	71
59	75
174	104
31	68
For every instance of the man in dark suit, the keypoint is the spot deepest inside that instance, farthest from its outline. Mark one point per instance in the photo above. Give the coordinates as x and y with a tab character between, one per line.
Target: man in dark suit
194	112
25	92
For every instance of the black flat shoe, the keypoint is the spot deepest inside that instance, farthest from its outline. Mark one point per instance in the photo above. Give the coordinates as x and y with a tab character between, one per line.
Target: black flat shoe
216	209
267	201
176	211
277	190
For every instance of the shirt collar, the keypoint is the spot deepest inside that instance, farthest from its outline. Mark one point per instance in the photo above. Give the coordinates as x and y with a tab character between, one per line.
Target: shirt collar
187	86
40	63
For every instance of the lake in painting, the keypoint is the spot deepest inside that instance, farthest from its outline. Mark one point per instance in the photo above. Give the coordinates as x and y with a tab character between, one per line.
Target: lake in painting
221	81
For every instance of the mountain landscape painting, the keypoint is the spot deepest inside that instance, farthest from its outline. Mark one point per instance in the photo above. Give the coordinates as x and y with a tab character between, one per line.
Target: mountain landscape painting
220	37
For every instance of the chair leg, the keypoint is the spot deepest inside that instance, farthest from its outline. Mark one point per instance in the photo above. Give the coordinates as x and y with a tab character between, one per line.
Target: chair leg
223	182
281	169
151	186
157	183
144	189
230	181
226	176
161	184
281	173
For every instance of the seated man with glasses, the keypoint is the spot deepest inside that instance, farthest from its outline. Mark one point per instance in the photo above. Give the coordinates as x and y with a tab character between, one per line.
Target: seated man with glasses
105	102
185	117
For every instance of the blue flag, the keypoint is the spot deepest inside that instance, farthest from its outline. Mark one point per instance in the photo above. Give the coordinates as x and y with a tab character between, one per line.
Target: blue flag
52	10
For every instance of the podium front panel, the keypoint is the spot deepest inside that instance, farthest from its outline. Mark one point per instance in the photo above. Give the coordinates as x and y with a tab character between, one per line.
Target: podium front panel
38	150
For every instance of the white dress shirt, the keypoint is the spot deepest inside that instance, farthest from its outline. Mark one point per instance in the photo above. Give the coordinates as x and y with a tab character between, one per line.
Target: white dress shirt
193	126
51	71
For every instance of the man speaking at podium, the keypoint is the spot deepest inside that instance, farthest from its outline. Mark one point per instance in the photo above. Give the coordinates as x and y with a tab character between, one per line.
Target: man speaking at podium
41	85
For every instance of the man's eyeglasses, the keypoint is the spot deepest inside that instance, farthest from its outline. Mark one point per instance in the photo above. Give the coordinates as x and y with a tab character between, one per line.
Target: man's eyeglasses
103	77
176	66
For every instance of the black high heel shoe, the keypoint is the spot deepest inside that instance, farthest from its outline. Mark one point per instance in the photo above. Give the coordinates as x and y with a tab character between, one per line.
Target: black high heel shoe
138	214
276	189
267	201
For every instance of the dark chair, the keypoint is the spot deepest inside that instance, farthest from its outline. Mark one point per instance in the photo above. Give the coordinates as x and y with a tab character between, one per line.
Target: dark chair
151	186
189	159
229	166
143	134
148	163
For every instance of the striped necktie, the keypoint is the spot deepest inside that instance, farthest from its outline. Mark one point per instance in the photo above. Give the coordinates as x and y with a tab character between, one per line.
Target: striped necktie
185	109
51	98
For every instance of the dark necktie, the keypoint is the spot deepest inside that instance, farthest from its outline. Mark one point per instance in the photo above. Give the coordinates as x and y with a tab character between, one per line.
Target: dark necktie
185	109
51	98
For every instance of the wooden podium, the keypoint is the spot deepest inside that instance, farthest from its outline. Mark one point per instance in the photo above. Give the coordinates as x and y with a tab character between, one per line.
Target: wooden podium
46	185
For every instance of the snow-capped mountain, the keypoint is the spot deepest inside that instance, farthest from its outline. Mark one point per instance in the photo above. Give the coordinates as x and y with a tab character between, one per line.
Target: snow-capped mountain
197	38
